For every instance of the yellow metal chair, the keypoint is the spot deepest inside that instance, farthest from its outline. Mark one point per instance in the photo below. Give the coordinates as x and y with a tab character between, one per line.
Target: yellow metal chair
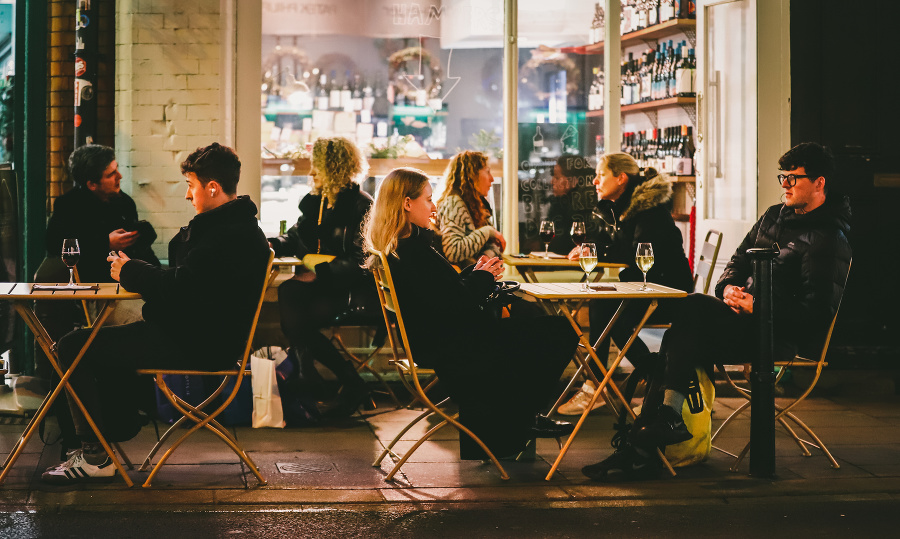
784	413
196	414
390	307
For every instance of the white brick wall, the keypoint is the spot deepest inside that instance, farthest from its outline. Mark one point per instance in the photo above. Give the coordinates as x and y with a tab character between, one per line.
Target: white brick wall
168	66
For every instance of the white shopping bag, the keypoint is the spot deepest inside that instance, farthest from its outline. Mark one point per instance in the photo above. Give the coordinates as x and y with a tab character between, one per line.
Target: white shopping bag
266	398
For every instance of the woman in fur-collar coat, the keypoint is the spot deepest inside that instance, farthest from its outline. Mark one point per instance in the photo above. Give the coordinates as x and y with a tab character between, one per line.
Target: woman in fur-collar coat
634	206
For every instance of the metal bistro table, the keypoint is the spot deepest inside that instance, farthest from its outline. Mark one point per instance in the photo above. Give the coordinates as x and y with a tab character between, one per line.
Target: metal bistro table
566	295
21	295
528	265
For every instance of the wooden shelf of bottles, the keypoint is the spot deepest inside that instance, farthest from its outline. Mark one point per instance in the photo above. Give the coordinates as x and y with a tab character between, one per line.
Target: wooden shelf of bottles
657	31
648	105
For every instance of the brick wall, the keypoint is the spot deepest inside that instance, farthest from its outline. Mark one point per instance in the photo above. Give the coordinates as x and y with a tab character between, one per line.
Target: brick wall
168	64
61	84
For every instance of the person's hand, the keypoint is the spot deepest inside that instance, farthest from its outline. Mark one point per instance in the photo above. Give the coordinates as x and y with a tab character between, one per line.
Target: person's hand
122	239
738	299
500	239
492	265
118	260
575	253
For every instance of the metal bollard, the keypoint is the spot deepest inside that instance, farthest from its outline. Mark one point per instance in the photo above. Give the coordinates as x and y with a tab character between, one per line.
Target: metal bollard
762	380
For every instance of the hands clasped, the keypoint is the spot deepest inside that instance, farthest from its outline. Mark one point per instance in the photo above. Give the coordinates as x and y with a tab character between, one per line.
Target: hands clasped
738	299
492	265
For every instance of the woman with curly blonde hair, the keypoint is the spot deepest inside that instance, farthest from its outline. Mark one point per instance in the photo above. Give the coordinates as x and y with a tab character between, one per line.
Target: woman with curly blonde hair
464	216
330	224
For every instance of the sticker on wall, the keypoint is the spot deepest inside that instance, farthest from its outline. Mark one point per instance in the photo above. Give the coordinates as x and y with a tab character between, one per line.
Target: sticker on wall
77	120
84	91
84	5
80	67
83	22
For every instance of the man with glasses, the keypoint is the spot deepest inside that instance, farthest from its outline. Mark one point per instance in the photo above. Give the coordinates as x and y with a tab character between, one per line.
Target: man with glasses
810	231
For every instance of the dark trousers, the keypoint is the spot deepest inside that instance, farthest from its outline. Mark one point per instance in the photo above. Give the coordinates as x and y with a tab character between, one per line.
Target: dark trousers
501	388
705	331
602	311
306	308
109	367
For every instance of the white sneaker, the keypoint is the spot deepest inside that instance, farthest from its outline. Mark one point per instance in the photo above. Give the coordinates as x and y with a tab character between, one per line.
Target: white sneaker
579	402
77	470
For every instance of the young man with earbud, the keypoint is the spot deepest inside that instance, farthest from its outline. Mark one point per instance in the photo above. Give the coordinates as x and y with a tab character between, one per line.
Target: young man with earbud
197	313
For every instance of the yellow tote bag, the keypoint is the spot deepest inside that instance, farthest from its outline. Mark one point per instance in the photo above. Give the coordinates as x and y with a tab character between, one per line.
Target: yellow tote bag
699	425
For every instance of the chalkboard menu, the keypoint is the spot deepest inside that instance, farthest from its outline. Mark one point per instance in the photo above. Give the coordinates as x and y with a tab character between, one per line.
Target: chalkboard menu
554	183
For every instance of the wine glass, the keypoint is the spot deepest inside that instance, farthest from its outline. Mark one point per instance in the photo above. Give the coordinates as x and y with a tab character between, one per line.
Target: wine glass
587	259
578	232
547	233
70	254
644	259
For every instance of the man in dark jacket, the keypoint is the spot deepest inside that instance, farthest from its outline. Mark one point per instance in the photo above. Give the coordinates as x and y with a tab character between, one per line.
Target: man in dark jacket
197	313
810	231
99	215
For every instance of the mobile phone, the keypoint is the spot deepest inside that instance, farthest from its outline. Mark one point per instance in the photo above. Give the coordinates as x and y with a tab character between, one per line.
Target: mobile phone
520	255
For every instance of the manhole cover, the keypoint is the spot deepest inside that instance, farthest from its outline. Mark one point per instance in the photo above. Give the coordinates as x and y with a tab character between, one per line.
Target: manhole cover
305	467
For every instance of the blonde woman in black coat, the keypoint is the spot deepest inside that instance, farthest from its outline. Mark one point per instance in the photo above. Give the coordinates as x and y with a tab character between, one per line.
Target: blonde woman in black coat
634	206
500	372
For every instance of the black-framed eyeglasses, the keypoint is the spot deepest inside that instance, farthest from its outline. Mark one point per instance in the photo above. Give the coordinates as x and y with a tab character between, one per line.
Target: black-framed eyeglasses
791	179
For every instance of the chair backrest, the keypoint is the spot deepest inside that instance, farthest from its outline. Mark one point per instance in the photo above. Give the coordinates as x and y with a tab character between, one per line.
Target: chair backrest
259	304
387	295
709	252
834	319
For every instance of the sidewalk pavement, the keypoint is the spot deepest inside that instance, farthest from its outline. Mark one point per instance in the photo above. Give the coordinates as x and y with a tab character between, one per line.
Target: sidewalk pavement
332	466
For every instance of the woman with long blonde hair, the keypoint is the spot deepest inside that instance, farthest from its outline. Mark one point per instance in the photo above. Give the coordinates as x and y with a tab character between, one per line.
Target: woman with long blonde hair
327	238
500	372
464	215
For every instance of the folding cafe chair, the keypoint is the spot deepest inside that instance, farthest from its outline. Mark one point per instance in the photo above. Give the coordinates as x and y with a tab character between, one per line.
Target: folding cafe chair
784	412
196	414
390	307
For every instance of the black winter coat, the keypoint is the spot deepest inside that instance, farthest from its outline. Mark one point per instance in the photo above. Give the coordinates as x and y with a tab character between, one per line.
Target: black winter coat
644	215
809	272
81	214
340	234
438	304
206	299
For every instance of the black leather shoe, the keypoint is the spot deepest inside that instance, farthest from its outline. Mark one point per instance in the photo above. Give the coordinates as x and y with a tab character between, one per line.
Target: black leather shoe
667	428
544	427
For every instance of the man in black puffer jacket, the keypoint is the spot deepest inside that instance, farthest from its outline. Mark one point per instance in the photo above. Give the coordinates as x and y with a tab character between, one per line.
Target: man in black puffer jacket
810	230
197	313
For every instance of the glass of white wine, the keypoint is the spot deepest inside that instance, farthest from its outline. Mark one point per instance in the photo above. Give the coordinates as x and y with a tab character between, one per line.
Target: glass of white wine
644	259
587	259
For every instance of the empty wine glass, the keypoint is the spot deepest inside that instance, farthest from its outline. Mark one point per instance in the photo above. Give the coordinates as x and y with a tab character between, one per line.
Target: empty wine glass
644	259
587	259
70	254
547	233
578	232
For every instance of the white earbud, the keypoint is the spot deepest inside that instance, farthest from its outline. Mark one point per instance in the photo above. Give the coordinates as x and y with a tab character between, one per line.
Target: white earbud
212	192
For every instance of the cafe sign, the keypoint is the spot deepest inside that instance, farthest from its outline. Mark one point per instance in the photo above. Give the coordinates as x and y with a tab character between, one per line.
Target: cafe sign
372	18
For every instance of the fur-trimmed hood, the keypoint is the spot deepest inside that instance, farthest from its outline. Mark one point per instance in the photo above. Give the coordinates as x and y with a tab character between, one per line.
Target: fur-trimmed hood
650	194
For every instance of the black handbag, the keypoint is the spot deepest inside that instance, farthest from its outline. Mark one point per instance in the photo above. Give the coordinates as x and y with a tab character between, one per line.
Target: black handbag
502	296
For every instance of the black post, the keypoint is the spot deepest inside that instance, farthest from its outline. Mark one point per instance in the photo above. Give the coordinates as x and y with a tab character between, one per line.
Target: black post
762	380
86	42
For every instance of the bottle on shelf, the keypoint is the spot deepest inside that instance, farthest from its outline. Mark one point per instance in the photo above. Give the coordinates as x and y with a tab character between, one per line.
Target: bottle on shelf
598	24
368	96
322	97
334	92
652	12
646	75
356	96
684	165
684	74
666	10
346	94
685	9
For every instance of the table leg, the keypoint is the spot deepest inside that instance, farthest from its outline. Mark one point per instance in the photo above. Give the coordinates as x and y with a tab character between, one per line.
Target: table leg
607	378
48	346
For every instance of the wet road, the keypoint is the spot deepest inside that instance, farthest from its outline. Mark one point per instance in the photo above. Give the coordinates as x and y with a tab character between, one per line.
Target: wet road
878	517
